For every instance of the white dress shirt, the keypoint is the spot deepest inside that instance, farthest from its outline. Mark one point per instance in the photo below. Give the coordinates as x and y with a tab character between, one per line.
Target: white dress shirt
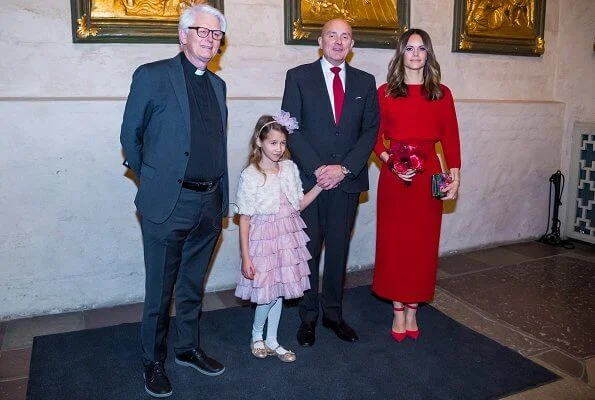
328	79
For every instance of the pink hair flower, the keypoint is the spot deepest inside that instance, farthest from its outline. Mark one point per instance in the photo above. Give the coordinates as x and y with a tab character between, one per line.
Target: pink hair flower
285	119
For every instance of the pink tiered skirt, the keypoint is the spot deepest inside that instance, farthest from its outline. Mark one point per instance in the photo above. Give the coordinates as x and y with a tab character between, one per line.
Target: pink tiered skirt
277	246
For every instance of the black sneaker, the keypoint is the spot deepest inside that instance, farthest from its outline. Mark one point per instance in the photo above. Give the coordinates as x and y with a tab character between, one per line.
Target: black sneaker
156	382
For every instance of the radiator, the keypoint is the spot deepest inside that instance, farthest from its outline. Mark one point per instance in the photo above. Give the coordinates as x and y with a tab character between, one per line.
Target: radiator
581	186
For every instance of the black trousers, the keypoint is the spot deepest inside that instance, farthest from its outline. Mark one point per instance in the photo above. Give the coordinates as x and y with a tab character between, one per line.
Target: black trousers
329	220
178	252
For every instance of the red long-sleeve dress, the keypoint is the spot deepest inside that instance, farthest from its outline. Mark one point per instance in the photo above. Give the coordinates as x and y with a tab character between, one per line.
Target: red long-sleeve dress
408	217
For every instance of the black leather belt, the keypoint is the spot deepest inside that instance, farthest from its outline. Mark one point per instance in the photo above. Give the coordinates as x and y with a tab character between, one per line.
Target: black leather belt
199	186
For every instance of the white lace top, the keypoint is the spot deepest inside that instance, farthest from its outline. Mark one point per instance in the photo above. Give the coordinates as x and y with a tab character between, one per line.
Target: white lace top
257	196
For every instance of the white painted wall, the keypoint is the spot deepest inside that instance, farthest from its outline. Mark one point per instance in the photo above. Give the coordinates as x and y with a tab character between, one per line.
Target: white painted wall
69	238
575	82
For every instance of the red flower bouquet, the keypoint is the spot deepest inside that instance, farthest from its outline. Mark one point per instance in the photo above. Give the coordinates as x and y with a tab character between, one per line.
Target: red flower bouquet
403	157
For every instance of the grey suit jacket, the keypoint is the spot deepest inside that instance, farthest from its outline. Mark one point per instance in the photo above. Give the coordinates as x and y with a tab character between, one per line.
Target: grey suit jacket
319	141
155	135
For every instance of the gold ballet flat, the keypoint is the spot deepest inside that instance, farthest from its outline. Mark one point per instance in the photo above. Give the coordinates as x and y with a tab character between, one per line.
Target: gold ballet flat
259	352
288	356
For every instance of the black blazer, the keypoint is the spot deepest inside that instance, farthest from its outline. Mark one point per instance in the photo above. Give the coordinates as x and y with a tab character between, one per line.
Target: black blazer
319	141
155	135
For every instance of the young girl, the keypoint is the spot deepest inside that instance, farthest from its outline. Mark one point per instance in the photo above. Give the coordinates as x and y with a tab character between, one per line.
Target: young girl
272	240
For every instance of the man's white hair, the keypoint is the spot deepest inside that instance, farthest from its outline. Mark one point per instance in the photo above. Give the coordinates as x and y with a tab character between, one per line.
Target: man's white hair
189	15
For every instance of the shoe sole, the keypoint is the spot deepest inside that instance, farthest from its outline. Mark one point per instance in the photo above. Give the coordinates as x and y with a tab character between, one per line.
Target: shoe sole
157	394
202	371
306	344
153	394
260	357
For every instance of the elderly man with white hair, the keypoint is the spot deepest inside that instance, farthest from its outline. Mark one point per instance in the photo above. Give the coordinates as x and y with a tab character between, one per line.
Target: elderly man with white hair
174	139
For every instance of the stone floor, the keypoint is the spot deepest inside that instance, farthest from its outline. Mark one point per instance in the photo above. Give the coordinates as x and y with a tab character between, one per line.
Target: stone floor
536	299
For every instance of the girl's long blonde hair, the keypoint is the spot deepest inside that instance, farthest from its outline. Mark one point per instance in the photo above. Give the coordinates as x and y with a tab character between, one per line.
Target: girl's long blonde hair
264	125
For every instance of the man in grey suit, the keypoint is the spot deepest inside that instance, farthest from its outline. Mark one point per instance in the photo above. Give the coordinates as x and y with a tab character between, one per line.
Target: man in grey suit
337	108
174	139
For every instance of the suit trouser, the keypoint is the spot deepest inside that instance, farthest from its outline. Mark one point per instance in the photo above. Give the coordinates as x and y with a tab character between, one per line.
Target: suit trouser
177	252
329	220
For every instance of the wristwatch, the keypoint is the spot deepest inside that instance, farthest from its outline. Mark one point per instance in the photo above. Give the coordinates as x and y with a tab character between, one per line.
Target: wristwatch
345	170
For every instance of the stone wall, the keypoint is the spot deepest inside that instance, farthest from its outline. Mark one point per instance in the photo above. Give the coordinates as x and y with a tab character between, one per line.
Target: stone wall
70	238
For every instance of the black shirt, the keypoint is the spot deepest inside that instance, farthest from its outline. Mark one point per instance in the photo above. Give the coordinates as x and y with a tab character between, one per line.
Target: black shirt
207	144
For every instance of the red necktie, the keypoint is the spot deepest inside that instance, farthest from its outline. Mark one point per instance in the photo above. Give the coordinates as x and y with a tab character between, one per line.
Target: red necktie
338	93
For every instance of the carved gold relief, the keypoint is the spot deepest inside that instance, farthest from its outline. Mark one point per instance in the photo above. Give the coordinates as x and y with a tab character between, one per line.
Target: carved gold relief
154	9
83	31
539	45
298	31
360	13
501	17
465	44
375	23
499	26
126	21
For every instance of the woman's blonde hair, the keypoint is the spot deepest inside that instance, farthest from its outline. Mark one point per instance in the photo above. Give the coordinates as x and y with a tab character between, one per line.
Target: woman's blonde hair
396	86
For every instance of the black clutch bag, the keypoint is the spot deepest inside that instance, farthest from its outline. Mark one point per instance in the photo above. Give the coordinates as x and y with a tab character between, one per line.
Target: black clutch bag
439	181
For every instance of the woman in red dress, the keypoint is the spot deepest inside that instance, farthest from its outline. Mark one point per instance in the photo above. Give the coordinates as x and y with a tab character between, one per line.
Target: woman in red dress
416	111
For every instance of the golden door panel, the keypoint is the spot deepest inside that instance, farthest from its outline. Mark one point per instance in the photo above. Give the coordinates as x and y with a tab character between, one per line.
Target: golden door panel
376	23
137	21
499	26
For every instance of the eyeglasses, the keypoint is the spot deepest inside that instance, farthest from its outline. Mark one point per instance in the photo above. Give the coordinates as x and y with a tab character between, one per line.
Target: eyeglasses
204	32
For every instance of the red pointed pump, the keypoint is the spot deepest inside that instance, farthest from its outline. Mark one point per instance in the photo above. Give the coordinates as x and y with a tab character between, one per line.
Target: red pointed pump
412	334
398	336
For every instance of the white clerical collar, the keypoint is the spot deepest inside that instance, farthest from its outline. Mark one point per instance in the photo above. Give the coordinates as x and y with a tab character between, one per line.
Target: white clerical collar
327	65
200	72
